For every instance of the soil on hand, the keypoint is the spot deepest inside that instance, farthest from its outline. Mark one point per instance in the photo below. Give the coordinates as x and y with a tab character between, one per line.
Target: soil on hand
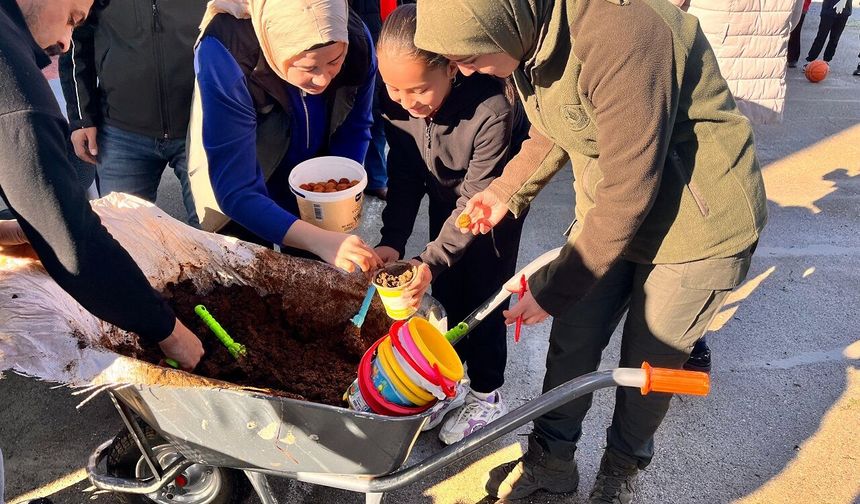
395	275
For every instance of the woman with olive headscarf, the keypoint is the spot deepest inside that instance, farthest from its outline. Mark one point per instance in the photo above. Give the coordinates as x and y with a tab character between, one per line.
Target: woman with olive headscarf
669	200
278	82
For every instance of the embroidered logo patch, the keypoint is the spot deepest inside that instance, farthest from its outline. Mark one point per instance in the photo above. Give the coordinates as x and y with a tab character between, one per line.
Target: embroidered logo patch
576	116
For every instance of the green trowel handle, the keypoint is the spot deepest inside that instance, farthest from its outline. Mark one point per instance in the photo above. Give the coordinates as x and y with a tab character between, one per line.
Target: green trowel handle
235	349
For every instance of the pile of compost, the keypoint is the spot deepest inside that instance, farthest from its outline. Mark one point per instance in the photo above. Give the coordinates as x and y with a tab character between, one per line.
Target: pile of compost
308	358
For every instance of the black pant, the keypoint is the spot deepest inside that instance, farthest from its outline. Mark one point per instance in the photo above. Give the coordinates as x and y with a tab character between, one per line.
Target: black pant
794	41
471	281
828	25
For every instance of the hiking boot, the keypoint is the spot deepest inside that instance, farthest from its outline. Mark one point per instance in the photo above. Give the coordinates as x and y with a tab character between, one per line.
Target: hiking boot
616	480
472	417
536	470
700	358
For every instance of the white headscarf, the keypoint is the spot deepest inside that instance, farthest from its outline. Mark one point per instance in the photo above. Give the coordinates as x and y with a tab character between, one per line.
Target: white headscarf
286	28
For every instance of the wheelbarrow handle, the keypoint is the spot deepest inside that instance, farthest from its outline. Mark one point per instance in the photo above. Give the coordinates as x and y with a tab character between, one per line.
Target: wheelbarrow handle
647	379
459	331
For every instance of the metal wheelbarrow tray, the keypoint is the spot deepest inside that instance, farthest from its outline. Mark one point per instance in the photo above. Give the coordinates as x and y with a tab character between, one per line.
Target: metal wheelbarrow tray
263	434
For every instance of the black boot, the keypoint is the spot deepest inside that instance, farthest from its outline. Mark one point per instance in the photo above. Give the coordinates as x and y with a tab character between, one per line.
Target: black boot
536	470
616	480
700	358
857	72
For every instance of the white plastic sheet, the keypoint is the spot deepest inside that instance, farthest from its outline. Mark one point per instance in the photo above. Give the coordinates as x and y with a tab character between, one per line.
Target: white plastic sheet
46	334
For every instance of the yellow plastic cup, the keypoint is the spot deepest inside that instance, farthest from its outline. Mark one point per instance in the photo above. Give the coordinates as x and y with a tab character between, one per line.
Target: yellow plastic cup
396	306
436	349
399	379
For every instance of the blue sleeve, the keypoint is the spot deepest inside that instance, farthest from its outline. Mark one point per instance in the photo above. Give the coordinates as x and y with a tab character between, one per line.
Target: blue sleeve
230	142
353	136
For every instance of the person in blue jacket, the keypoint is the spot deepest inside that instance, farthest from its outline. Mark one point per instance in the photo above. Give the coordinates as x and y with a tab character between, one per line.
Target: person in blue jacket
278	83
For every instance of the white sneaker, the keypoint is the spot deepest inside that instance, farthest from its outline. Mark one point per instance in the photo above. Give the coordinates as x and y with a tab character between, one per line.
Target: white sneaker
447	406
472	417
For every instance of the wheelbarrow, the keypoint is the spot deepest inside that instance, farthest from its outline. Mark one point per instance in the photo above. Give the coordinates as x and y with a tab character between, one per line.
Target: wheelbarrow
192	445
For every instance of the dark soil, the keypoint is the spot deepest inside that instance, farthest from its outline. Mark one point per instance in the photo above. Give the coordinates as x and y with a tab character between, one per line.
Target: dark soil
290	354
294	322
395	275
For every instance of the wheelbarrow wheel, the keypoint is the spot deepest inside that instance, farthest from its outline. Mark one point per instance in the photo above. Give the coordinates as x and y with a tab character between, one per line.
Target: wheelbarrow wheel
199	484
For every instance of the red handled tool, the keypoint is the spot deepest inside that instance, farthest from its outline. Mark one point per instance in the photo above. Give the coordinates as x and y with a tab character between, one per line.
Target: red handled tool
524	287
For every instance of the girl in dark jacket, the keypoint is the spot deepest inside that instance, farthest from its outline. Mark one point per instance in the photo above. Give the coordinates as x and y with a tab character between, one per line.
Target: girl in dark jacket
449	137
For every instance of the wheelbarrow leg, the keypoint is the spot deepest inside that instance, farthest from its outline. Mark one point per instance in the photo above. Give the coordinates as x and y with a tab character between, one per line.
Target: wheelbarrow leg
261	486
373	498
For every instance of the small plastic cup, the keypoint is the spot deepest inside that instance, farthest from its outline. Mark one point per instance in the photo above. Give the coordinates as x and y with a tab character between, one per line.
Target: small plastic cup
396	306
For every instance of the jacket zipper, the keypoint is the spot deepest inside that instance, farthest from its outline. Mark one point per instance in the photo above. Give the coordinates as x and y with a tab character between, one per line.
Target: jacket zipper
428	143
307	120
158	27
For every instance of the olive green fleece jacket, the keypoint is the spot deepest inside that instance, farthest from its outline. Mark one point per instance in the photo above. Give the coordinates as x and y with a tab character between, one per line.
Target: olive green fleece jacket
629	91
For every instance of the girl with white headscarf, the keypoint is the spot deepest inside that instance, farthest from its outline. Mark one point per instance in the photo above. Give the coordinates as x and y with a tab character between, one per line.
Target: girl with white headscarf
278	82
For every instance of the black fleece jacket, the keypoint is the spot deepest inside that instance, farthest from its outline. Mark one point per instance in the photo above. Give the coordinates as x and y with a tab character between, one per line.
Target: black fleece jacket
450	158
39	185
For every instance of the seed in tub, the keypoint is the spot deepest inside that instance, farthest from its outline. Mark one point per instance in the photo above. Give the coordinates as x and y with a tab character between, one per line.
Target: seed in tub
391	281
343	180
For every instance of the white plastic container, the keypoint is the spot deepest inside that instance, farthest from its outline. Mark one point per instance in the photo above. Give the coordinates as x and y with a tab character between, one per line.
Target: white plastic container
335	211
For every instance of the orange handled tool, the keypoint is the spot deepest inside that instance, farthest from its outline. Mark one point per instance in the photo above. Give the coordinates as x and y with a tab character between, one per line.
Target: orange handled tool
675	381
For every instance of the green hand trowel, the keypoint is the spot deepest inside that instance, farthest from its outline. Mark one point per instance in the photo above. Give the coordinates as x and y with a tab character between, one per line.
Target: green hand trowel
237	350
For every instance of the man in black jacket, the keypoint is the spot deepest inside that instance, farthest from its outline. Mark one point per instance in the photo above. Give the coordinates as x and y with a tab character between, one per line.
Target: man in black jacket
39	185
128	79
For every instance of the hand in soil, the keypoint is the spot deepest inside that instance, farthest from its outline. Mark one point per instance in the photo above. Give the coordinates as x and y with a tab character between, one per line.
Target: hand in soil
183	347
415	291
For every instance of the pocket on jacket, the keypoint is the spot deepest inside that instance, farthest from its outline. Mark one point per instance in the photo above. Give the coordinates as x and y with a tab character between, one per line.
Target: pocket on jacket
716	274
687	179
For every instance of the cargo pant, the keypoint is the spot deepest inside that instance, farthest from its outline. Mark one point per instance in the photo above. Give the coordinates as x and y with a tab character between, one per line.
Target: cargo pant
668	307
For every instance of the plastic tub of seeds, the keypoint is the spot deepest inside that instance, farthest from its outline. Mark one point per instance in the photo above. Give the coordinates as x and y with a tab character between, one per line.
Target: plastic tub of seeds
390	282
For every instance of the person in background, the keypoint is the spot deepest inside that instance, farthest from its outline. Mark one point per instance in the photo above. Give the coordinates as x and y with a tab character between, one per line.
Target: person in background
287	82
128	79
669	201
856	72
39	186
750	39
794	39
449	136
834	17
374	163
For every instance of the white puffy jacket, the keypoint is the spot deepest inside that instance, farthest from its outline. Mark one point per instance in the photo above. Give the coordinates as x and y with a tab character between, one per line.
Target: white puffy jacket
750	39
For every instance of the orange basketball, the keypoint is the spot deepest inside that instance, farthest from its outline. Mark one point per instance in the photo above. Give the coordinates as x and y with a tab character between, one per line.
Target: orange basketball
817	70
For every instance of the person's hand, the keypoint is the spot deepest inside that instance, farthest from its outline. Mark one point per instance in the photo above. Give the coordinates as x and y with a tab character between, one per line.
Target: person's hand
183	346
85	144
484	211
387	254
414	292
527	307
346	252
13	241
